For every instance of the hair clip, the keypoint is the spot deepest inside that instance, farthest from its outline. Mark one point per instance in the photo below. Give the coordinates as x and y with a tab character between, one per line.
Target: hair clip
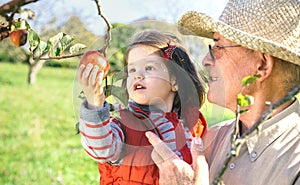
168	51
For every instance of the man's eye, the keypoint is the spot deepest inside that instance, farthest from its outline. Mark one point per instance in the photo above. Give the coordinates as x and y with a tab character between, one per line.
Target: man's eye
218	47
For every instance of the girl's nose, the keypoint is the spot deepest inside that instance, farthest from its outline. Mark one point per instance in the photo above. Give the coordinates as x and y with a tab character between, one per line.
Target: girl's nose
139	76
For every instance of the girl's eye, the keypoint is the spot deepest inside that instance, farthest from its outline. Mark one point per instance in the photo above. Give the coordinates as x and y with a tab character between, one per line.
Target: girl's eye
131	70
149	68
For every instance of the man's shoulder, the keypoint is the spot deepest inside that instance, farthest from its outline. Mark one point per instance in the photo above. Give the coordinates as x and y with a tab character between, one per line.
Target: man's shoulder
223	124
221	128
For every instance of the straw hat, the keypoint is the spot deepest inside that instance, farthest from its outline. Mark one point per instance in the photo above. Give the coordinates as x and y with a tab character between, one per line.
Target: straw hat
269	26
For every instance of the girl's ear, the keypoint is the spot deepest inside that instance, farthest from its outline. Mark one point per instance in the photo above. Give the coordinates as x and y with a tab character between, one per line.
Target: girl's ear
265	66
174	85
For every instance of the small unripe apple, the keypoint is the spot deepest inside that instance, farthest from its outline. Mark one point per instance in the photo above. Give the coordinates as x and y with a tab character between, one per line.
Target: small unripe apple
18	37
96	58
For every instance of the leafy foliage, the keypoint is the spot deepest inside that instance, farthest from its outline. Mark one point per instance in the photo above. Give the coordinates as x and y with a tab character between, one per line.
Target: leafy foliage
249	79
76	48
54	46
244	100
34	40
19	24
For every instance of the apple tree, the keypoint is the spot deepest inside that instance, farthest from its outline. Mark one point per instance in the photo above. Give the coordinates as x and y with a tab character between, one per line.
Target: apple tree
59	46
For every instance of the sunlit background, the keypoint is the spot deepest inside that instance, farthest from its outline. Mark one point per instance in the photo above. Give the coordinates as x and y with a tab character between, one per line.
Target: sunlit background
38	140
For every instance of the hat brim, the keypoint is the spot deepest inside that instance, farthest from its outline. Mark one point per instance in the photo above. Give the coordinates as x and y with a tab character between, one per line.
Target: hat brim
199	24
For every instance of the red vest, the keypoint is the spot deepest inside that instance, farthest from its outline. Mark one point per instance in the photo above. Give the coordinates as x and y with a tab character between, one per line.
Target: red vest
137	166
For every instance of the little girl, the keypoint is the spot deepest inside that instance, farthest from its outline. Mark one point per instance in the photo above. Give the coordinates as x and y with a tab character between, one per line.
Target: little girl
165	95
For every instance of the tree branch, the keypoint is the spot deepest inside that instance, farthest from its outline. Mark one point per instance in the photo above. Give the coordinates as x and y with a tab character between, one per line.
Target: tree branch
13	6
105	46
58	58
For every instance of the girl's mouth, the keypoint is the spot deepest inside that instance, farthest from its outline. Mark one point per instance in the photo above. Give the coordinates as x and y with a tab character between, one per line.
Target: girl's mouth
138	87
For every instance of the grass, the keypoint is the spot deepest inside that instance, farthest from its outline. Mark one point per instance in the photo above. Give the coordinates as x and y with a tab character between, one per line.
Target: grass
38	142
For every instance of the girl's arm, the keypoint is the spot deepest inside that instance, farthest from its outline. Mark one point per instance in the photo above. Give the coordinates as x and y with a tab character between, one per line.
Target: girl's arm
101	135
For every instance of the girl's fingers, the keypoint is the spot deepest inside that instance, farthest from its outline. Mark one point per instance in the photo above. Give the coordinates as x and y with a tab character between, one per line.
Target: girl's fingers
85	74
80	72
100	77
93	76
100	80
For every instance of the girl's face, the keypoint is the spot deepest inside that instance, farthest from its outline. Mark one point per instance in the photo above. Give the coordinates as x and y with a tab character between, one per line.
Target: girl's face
149	81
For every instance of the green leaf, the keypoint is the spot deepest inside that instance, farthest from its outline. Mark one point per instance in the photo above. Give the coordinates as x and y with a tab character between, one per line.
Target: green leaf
52	52
118	92
243	111
59	43
44	47
3	21
244	100
76	48
53	42
57	52
26	13
33	39
18	24
77	128
118	75
249	79
233	152
56	38
65	42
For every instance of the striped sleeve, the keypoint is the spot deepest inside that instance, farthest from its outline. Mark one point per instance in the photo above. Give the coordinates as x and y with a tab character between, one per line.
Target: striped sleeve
101	135
166	129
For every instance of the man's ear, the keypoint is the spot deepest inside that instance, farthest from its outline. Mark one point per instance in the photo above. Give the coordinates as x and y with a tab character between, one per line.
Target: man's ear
265	66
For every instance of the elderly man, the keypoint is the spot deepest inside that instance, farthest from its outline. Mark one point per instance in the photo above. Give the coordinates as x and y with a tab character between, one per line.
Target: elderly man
251	37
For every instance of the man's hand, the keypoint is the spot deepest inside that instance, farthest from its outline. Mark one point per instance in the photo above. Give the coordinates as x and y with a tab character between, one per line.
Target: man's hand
173	170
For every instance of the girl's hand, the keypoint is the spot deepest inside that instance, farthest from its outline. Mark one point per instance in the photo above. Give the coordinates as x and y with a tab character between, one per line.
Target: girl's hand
90	80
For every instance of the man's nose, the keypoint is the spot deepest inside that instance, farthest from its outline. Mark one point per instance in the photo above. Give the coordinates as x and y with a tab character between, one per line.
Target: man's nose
207	61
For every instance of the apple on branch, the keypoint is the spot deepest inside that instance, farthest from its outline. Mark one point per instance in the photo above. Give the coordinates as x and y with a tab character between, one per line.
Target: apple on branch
96	58
18	37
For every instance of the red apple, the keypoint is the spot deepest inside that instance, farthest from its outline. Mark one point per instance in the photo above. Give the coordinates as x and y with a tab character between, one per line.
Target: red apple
18	37
96	58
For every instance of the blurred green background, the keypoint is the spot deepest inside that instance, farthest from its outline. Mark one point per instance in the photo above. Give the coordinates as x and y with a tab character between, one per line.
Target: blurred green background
38	141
